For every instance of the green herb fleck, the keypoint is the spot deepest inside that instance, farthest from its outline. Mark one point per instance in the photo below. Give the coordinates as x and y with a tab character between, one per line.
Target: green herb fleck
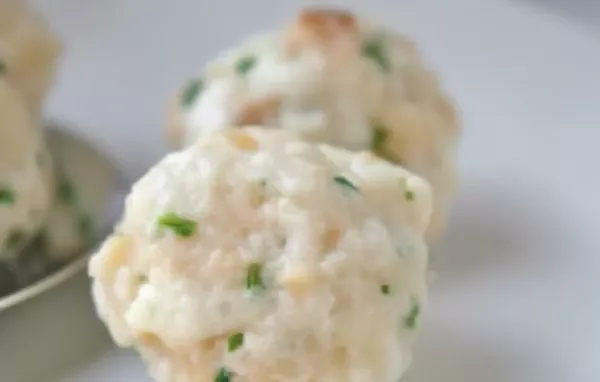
65	192
385	289
86	227
410	321
223	375
409	194
15	239
191	92
373	49
2	68
7	196
380	136
142	279
182	227
345	183
254	277
235	341
245	65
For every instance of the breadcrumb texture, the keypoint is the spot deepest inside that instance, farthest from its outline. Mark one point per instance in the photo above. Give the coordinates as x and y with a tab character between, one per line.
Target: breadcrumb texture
291	245
334	78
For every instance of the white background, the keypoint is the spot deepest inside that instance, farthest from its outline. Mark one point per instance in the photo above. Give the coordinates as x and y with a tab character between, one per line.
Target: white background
517	298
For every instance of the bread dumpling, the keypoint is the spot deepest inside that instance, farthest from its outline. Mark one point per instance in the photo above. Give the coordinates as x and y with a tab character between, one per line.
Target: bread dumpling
29	51
335	78
26	174
253	256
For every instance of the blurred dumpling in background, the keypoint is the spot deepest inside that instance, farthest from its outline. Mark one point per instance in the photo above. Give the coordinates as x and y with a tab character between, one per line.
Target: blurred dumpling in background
29	51
334	78
253	256
85	180
26	176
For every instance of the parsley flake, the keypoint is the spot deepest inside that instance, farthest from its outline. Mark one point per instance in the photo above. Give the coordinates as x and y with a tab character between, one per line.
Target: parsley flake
373	49
385	289
254	277
191	92
182	227
245	65
15	239
7	196
235	341
86	227
343	182
3	68
223	375
410	321
65	192
409	194
380	136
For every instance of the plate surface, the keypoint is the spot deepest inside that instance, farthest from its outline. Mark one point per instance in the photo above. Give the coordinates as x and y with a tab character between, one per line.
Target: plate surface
515	298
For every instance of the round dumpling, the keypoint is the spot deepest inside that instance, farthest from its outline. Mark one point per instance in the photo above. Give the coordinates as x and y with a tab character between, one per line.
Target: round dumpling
336	79
29	51
26	184
252	256
85	183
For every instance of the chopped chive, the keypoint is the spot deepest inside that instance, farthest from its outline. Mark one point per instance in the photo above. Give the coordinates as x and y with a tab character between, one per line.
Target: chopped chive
223	375
345	183
41	241
15	239
380	135
373	49
409	194
86	227
191	92
254	277
182	227
7	196
245	65
65	192
410	321
385	289
235	341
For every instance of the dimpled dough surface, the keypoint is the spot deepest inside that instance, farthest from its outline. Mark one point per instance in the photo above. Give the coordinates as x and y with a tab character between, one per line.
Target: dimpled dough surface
334	78
252	256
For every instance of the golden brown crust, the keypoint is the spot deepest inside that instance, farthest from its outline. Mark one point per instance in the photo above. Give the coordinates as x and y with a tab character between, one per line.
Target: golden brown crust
242	140
259	112
324	29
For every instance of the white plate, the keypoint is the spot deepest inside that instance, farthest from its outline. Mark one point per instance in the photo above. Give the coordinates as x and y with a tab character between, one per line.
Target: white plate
516	298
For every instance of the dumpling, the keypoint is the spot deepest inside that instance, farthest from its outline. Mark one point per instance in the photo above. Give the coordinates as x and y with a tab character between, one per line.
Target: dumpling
29	51
334	78
252	256
26	174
